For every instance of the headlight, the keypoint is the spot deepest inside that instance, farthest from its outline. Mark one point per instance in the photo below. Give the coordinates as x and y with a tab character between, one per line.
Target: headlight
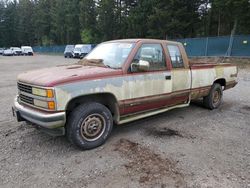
45	104
43	92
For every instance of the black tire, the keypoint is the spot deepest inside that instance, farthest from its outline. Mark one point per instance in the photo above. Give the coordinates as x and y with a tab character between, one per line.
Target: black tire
86	119
214	98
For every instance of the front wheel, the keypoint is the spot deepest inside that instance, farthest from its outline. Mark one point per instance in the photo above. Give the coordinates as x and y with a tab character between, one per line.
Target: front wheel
89	125
214	98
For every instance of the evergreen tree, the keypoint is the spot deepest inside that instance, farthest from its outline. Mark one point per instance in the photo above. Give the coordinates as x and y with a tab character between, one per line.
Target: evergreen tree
50	22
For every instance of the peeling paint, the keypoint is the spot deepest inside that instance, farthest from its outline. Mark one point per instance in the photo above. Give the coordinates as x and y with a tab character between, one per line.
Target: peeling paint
158	88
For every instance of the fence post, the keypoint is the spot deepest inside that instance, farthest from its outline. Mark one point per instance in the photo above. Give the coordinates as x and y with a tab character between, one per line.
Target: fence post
206	46
229	53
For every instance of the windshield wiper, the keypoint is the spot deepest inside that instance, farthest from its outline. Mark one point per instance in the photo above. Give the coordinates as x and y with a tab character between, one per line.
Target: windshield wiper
95	62
108	66
91	62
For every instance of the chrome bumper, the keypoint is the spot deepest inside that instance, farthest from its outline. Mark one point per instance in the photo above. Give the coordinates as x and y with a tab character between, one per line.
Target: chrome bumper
42	119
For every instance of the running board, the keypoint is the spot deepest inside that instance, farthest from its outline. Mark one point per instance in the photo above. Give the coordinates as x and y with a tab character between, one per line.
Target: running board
134	117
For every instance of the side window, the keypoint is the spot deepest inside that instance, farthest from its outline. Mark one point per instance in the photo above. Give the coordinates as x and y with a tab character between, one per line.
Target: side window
152	53
175	55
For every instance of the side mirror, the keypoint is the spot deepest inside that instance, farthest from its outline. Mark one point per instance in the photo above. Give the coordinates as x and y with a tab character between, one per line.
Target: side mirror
140	66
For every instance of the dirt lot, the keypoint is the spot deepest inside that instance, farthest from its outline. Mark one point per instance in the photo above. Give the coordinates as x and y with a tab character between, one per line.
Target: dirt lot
190	147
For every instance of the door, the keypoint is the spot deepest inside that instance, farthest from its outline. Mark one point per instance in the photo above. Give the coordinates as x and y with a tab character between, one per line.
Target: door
149	89
181	75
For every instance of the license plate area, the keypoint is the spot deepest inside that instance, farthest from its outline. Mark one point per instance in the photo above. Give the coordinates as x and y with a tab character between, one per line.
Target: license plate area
17	115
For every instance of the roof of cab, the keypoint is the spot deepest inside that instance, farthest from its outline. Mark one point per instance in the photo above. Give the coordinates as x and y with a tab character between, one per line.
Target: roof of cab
142	40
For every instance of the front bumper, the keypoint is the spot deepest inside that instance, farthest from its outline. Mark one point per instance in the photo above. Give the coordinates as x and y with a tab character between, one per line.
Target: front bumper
44	120
76	55
28	53
68	54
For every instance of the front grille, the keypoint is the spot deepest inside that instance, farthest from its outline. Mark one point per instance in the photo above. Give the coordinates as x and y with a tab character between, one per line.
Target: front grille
24	88
26	99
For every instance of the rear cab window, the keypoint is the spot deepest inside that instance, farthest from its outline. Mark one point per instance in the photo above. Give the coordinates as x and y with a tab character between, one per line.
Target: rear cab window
175	56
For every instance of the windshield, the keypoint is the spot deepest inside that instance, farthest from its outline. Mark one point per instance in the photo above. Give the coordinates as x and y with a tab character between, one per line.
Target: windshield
27	48
69	48
77	49
112	54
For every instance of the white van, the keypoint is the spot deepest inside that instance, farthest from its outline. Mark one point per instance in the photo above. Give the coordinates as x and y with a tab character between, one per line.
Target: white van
81	50
16	50
68	52
27	50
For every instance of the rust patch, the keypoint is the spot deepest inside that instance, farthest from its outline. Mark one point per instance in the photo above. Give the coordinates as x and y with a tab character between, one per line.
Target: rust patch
74	67
246	108
147	167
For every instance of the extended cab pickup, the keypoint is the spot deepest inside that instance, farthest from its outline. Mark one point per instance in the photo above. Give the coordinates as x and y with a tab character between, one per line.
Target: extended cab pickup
118	82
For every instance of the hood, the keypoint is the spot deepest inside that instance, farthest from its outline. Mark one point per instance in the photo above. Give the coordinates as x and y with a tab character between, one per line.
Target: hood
7	51
50	77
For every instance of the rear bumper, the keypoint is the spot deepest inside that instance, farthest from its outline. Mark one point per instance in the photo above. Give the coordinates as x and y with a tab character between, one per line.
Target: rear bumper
47	121
18	53
68	54
76	55
28	53
79	55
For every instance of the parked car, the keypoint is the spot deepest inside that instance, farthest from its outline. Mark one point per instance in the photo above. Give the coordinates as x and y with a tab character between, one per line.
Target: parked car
117	82
16	51
1	51
68	52
27	50
81	50
8	52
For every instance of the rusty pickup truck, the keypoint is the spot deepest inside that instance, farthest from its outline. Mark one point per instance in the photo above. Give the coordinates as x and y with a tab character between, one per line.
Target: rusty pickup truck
118	82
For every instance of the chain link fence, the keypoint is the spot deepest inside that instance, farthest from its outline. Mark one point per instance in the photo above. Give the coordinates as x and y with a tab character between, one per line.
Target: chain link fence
49	49
236	46
52	49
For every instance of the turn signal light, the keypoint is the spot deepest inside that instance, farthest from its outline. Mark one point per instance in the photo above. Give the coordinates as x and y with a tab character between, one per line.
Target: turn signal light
51	105
50	93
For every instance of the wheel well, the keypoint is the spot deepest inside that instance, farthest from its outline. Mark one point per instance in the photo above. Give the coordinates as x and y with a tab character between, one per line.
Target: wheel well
221	81
106	99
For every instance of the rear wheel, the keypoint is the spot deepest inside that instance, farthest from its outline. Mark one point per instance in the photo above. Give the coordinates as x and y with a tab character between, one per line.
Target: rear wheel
89	125
214	98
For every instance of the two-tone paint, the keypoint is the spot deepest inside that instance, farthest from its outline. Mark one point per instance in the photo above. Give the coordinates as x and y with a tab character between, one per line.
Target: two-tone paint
139	94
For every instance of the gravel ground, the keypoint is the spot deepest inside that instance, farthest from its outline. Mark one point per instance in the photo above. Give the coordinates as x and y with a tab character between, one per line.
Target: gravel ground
189	147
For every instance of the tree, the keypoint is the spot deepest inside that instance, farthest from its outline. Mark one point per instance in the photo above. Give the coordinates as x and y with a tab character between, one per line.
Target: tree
2	24
88	22
58	25
228	15
49	22
139	17
25	25
106	19
42	22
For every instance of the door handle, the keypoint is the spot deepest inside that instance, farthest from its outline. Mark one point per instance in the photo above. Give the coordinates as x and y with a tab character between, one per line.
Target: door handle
168	77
